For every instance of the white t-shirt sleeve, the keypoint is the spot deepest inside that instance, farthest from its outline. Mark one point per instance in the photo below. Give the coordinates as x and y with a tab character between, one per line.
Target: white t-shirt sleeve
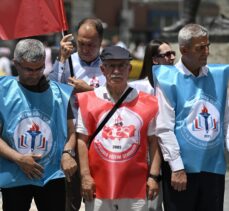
80	127
151	127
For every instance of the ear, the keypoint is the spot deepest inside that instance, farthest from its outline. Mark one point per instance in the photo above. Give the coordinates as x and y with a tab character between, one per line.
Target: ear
183	50
15	63
155	60
102	68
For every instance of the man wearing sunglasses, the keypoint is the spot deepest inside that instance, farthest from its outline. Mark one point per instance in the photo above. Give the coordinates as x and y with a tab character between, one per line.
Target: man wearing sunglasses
192	125
35	123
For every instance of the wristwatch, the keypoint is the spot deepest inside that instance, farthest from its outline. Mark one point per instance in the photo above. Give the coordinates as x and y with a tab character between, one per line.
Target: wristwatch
157	178
71	152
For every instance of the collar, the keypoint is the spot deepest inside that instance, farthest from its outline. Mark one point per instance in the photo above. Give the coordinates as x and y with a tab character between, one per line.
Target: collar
104	94
94	63
42	86
180	66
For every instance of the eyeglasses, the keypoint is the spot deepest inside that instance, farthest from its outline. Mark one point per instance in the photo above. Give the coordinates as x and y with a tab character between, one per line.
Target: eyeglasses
120	66
167	54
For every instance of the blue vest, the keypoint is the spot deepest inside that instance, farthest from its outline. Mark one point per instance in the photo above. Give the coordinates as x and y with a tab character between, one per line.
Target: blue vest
33	123
199	105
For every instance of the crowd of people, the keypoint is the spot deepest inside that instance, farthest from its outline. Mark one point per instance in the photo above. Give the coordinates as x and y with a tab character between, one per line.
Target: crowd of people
83	133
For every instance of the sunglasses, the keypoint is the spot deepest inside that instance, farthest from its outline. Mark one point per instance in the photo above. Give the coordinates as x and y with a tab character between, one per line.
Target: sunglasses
167	54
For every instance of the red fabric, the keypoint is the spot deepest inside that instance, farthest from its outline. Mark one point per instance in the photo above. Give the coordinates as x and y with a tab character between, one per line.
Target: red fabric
24	18
116	175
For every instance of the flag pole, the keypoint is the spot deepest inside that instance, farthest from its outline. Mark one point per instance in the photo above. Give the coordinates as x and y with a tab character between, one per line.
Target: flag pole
70	60
65	32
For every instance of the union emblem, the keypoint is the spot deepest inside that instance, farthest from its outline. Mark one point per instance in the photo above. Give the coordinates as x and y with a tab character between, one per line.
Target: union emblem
202	124
33	135
119	139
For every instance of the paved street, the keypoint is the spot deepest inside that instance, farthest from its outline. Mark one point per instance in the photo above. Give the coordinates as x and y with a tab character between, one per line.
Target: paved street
226	198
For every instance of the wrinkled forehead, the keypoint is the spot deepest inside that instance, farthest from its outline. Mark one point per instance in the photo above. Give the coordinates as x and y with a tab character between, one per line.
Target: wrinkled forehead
116	61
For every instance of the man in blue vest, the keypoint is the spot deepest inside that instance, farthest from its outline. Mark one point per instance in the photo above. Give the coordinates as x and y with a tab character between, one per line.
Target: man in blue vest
35	123
192	126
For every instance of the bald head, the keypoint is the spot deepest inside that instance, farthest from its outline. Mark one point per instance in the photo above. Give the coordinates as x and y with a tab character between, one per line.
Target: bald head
88	31
89	23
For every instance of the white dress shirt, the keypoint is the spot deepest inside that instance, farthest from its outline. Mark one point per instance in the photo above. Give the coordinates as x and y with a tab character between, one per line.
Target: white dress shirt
165	124
142	85
90	73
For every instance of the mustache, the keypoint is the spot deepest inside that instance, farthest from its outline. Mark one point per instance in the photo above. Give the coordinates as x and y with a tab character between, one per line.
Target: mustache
116	76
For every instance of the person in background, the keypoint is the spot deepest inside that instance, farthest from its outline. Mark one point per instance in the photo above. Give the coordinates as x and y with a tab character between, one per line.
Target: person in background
105	43
157	52
114	170
115	40
192	126
87	76
36	120
5	63
139	51
86	61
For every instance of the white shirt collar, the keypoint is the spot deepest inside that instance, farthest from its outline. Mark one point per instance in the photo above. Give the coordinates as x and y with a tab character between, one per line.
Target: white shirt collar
104	94
180	66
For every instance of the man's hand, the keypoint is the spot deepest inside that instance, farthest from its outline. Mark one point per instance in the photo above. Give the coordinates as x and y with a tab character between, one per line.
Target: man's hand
79	85
152	188
179	180
30	167
88	187
69	166
66	47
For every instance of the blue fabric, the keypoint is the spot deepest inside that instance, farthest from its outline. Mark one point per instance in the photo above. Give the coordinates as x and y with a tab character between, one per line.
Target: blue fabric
33	123
199	105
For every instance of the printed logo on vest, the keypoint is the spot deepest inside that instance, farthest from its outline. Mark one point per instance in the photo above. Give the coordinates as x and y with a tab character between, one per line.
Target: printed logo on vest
33	135
203	124
94	82
119	140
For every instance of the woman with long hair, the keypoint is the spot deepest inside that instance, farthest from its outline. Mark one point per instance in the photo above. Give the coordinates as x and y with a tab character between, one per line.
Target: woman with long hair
156	53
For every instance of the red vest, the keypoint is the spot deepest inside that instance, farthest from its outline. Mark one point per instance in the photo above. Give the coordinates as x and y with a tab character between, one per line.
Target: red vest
118	154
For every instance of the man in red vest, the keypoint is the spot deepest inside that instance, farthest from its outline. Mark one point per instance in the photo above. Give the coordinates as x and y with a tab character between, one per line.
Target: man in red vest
114	170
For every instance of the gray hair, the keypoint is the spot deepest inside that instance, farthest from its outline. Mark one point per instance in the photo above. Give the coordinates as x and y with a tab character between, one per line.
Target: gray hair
190	31
30	50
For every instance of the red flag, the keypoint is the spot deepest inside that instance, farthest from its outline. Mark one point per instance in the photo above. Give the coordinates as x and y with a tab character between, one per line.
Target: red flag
24	18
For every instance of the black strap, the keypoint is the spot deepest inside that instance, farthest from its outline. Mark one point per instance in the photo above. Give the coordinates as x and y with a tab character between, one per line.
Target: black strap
70	61
108	116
